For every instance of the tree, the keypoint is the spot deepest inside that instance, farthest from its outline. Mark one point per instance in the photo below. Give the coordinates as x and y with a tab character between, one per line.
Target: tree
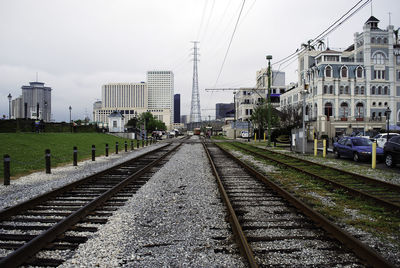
396	35
132	123
260	116
308	46
291	116
150	122
320	44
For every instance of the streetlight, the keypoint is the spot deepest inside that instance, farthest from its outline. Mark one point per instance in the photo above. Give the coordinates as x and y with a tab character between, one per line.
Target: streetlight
304	94
269	58
70	122
9	105
388	112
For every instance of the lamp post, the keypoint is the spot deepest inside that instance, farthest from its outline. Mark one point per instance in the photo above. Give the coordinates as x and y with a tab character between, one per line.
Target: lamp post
9	105
388	112
234	112
269	58
303	94
70	123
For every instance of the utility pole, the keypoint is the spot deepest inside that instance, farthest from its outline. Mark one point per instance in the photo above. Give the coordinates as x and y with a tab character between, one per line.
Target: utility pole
234	115
304	94
269	58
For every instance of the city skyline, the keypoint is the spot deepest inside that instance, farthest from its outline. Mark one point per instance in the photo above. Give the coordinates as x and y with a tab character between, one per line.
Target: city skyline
91	44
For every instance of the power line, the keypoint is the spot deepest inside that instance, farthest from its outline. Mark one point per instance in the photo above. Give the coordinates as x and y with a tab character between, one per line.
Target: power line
230	42
202	18
327	31
209	18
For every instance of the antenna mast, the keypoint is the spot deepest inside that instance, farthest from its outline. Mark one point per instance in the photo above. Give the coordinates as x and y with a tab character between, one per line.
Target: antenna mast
195	113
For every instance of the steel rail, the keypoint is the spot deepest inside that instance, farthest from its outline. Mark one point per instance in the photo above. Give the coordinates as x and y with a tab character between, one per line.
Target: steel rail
361	250
8	212
23	253
244	245
355	192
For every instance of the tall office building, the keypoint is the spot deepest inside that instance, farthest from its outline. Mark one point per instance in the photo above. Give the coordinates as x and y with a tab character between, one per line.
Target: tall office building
35	102
177	108
130	99
161	89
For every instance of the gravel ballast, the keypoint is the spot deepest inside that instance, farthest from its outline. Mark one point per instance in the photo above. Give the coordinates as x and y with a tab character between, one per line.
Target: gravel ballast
37	183
174	220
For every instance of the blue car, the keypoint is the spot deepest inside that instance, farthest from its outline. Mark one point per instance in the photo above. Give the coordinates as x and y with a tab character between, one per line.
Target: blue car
357	148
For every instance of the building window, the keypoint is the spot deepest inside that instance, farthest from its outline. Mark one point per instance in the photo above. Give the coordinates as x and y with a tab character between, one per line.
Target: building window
398	59
344	109
356	90
344	71
346	90
373	115
379	58
379	90
385	40
374	103
325	89
360	110
386	104
341	90
330	89
373	40
373	90
328	71
385	91
328	109
378	40
380	104
383	74
114	123
359	72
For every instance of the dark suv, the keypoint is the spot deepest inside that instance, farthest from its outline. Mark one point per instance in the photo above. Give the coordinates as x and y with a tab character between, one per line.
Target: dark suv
392	151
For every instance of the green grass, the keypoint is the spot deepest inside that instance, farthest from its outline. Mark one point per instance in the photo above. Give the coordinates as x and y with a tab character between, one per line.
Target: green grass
219	137
27	149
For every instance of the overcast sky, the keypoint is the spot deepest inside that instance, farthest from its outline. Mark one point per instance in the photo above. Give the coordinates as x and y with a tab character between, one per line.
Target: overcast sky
77	46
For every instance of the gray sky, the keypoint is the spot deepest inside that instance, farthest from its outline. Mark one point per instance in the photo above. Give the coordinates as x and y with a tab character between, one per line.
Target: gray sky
76	46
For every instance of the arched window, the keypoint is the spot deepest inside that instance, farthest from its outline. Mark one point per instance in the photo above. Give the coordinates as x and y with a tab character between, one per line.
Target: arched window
315	110
379	58
330	89
328	71
373	90
325	89
385	40
344	71
379	90
362	91
360	110
344	110
341	90
373	114
328	109
356	90
378	40
359	72
385	91
372	40
346	90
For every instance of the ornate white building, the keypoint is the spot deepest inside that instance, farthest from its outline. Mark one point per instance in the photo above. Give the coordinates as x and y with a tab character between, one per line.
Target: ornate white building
350	90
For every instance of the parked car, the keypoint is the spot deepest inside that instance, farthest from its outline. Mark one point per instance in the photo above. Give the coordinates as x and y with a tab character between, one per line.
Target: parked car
392	151
356	148
381	138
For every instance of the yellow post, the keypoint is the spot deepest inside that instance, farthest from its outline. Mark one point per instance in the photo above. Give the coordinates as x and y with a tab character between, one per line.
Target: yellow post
255	137
324	150
315	147
265	135
374	155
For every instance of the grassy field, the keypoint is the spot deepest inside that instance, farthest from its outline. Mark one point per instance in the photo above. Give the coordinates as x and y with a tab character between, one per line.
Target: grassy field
27	149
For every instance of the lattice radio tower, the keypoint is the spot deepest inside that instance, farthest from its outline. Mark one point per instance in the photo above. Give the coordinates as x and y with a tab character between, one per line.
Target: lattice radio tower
195	114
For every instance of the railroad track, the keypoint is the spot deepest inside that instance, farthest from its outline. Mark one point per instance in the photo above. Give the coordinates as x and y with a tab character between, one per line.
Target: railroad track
276	229
58	221
383	193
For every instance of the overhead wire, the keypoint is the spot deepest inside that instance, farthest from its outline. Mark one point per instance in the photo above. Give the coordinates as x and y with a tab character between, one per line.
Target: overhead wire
331	28
230	43
208	20
202	19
